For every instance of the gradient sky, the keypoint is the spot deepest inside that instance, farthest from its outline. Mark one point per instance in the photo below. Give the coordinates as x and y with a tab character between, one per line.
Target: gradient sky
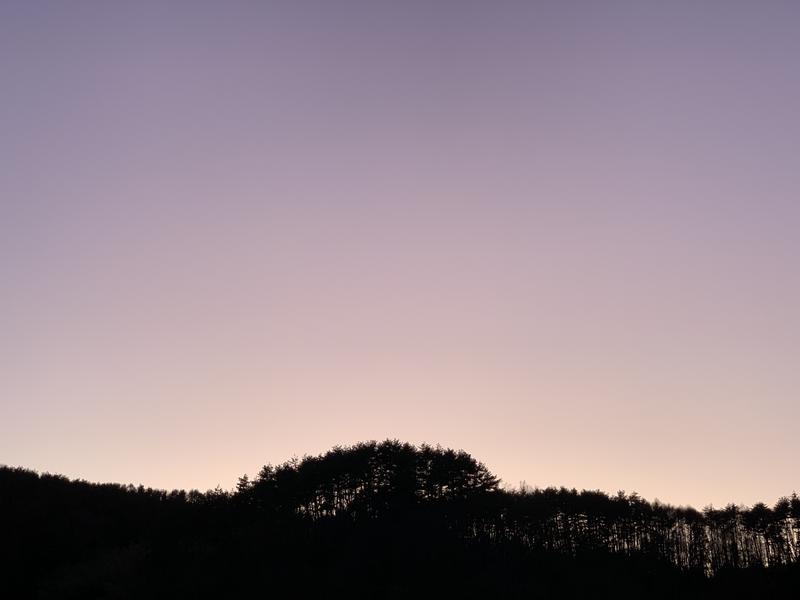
562	236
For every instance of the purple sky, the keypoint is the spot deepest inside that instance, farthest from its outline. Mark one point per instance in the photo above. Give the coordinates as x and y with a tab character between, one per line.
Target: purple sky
560	235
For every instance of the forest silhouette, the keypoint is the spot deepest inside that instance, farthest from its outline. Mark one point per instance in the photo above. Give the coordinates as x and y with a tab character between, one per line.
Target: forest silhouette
383	520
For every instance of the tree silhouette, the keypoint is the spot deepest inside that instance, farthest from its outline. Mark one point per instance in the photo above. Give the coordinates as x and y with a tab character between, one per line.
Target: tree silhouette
384	519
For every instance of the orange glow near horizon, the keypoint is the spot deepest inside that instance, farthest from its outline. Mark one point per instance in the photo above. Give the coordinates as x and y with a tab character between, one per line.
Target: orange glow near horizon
565	242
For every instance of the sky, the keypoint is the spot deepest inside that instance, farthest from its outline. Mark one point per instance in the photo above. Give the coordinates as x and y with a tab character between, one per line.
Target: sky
562	236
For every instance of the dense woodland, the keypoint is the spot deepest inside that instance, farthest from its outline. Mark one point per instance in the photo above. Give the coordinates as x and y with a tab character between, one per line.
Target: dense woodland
383	520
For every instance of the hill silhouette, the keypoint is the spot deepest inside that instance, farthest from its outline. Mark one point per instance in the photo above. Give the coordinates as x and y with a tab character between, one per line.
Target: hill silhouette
382	520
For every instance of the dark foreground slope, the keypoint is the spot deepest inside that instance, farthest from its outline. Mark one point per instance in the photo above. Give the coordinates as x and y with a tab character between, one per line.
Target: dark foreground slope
384	520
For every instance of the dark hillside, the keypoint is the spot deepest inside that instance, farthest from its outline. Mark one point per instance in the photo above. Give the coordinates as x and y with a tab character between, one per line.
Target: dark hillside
382	520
